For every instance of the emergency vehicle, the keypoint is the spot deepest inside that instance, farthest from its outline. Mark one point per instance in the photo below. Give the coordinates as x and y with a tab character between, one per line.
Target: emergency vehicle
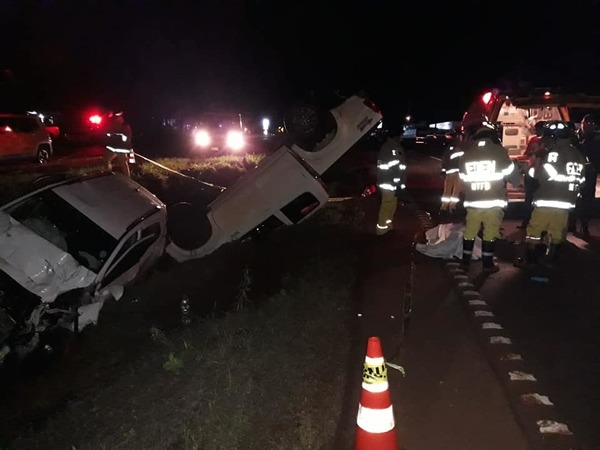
517	112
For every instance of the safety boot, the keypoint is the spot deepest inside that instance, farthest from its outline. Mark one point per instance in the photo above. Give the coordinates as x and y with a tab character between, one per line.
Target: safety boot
468	245
487	257
531	260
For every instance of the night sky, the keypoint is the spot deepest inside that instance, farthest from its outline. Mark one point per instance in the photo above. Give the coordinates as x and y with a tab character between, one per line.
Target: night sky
426	58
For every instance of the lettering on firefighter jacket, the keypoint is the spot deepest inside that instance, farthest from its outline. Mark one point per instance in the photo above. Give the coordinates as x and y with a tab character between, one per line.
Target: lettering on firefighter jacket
483	168
560	175
391	166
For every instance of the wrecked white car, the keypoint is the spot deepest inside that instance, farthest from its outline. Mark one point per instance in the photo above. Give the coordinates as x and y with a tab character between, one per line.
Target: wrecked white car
285	188
66	248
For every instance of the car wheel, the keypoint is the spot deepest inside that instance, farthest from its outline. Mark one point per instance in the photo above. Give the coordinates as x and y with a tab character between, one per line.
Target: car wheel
301	120
43	155
307	125
188	226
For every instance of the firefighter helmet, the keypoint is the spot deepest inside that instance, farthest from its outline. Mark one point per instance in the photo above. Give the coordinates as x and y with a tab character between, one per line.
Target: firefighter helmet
589	124
558	129
485	129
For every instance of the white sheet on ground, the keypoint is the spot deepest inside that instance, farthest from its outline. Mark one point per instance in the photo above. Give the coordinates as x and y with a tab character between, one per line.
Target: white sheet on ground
446	241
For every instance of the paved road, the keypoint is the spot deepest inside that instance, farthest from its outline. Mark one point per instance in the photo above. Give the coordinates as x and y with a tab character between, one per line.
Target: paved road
450	398
554	326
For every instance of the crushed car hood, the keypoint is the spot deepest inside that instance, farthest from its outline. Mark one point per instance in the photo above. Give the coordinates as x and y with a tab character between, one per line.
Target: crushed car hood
36	264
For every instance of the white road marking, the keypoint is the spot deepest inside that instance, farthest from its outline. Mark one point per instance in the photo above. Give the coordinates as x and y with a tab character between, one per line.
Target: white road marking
536	399
471	294
500	340
482	313
511	357
491	326
553	427
477	303
518	375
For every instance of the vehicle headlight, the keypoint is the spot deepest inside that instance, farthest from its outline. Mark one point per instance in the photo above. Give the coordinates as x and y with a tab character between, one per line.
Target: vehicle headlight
235	140
202	138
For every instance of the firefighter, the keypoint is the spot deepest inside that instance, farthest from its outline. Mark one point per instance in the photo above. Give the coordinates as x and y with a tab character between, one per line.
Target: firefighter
118	144
452	185
589	143
391	180
534	153
561	173
483	168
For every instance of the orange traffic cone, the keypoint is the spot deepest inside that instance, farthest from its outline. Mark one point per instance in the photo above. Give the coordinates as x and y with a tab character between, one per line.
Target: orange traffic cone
375	420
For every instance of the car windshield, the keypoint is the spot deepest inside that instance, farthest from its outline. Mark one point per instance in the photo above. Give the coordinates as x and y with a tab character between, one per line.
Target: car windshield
19	124
220	121
54	219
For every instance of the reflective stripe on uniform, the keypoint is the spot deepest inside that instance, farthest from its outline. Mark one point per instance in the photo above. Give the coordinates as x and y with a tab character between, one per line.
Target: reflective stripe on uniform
553	204
451	170
386	166
123	136
375	420
486	204
450	199
509	169
117	150
481	177
387	187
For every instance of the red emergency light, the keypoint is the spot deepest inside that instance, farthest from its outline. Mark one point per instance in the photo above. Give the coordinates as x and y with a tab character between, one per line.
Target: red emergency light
486	98
95	119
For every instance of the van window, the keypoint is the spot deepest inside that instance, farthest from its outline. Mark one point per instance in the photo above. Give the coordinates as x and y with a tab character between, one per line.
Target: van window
300	207
267	225
19	124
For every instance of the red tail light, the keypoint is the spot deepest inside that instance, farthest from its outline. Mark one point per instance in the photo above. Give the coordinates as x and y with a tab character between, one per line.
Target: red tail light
95	119
371	105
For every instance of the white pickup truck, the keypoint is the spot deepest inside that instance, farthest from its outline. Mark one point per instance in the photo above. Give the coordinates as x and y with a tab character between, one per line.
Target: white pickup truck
285	188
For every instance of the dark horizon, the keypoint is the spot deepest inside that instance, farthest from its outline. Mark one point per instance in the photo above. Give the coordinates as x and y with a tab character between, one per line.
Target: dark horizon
154	57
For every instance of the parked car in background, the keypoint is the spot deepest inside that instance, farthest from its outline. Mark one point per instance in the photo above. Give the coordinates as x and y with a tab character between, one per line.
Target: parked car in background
220	132
68	247
83	125
24	137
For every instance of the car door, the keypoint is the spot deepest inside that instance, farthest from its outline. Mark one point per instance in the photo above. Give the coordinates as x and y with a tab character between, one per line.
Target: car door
9	140
142	247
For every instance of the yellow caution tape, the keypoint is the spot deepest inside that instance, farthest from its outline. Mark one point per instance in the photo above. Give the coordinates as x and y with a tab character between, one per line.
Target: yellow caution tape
373	374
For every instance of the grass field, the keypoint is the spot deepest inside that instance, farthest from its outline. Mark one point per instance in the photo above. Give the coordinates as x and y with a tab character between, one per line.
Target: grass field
262	366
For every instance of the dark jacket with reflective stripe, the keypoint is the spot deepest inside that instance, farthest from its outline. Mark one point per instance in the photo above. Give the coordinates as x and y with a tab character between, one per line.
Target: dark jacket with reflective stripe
560	174
391	165
118	136
450	159
483	168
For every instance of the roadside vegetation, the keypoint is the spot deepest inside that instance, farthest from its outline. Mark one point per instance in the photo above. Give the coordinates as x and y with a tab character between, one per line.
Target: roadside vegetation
261	366
168	186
